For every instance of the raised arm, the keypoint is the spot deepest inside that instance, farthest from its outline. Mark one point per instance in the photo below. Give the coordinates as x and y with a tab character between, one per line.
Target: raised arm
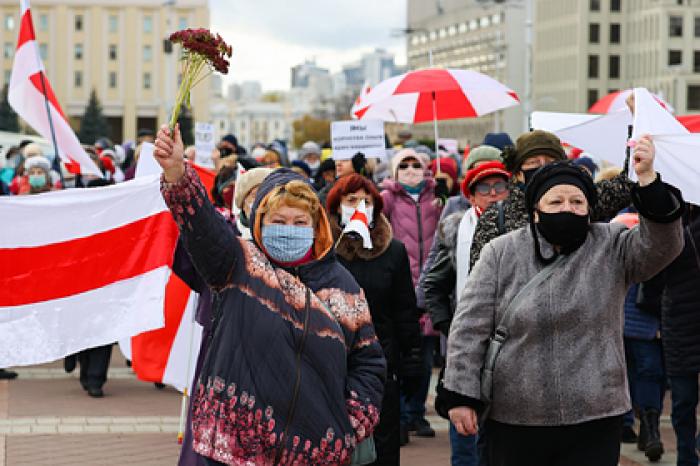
205	234
659	239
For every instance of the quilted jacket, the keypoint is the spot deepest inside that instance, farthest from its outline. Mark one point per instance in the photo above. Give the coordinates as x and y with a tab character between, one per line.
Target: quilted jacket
294	373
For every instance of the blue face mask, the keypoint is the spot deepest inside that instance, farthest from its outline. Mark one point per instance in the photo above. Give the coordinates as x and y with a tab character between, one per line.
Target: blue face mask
287	243
37	181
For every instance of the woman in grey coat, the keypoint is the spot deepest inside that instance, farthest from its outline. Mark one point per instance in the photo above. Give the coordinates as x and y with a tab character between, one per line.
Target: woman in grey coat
559	385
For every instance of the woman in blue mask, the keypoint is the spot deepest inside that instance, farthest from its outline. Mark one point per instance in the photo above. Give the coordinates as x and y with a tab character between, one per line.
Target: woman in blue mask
294	372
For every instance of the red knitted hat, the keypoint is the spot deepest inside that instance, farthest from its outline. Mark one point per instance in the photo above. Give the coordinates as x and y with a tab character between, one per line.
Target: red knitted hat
483	171
447	165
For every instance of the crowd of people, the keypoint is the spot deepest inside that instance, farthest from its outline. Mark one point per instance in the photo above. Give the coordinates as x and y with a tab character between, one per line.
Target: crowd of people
557	298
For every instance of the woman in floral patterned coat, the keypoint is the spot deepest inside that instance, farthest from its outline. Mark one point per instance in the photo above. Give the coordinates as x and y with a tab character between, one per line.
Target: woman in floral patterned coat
294	373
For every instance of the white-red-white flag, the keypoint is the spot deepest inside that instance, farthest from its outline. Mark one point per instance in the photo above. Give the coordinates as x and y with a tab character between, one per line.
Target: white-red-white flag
360	224
29	89
82	268
360	103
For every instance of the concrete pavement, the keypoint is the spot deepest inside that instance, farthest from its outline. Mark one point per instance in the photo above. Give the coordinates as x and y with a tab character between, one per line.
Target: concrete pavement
47	419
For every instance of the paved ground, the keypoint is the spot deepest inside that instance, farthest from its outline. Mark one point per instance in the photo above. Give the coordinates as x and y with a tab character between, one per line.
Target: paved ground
46	419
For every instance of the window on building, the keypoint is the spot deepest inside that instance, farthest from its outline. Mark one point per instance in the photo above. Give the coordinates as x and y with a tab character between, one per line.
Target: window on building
9	22
614	67
147	53
614	5
592	97
595	5
697	26
473	25
8	50
113	23
614	33
43	22
112	52
693	102
610	91
696	61
182	23
78	22
78	51
593	64
594	33
675	57
485	22
8	75
112	79
148	24
675	26
452	30
78	79
147	80
44	51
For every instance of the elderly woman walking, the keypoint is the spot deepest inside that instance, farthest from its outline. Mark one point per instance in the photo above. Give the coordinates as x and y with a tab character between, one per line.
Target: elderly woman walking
294	373
554	293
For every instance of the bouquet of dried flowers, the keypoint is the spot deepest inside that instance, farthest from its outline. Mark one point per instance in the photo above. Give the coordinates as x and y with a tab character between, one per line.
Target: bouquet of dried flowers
203	51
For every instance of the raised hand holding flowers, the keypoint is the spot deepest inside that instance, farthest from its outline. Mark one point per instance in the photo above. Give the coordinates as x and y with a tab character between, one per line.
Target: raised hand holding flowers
203	53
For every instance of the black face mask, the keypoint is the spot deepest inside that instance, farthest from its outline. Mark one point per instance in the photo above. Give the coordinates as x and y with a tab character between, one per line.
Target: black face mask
527	174
564	229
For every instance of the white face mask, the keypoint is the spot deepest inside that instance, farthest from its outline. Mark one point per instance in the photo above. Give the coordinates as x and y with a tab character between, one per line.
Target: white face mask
314	165
346	214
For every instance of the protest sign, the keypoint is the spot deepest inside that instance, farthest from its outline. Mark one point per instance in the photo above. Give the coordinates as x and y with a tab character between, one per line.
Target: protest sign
350	137
204	144
450	145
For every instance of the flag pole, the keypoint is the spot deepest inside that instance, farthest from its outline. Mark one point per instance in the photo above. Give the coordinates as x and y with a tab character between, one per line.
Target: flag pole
185	393
56	159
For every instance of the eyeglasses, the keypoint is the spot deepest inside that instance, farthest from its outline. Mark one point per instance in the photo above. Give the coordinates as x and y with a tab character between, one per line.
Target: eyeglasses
484	188
416	165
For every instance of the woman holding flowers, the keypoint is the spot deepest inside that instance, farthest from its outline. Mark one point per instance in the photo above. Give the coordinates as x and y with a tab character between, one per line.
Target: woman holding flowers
294	374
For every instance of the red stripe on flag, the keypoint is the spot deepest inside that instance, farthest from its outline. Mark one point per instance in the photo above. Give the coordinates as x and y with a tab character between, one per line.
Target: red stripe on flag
35	274
206	176
359	216
36	81
150	351
26	29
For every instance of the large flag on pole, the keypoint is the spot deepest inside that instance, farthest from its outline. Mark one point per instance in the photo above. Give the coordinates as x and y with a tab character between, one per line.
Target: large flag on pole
28	94
168	354
82	268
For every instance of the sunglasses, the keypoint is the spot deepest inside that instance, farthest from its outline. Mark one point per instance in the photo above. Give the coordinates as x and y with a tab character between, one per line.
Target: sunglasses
484	188
416	165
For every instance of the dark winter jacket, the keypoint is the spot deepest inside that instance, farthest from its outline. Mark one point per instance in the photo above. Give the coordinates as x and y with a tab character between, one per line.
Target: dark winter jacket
455	204
384	275
680	318
440	279
639	324
613	196
295	372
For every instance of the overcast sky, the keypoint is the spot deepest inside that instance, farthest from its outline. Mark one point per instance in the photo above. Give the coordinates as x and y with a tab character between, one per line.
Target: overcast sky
271	36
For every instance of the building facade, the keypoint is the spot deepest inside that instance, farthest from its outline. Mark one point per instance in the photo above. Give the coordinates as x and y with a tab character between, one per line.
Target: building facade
585	49
487	37
260	122
117	48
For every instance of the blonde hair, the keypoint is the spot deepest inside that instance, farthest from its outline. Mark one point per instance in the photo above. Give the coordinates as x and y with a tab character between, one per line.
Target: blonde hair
608	174
295	193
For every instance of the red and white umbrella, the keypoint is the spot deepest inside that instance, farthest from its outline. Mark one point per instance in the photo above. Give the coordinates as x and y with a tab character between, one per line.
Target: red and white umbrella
435	94
615	101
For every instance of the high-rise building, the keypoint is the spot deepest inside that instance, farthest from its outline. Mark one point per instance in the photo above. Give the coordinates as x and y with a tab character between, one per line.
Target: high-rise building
487	37
584	49
115	48
302	73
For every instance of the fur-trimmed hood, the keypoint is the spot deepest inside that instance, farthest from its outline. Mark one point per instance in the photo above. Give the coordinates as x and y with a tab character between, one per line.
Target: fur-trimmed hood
350	248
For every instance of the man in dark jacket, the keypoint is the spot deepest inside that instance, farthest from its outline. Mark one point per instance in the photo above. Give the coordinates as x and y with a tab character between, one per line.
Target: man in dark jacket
532	151
680	331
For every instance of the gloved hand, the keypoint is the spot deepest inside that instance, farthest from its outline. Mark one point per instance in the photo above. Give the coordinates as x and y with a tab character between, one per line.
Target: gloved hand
359	162
441	190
